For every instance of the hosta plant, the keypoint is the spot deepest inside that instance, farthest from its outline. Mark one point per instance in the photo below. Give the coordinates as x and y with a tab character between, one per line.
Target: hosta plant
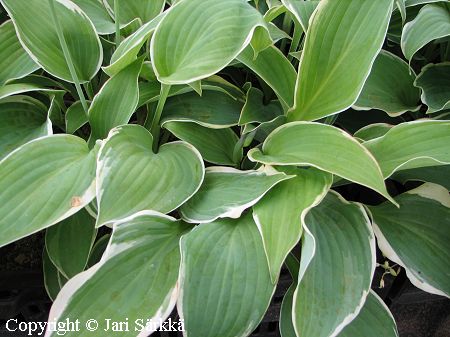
182	153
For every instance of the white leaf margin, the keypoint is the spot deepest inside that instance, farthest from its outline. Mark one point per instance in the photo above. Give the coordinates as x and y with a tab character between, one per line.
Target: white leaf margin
315	202
430	191
308	252
84	199
75	283
235	211
247	41
75	9
103	170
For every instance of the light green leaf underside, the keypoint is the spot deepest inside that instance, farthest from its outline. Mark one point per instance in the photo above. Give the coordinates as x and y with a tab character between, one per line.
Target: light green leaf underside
342	42
432	22
411	145
215	258
98	14
22	119
275	69
434	80
322	146
213	109
69	243
144	10
131	178
434	174
75	117
109	108
44	182
255	110
389	87
14	61
416	236
37	33
215	145
227	192
281	212
342	246
302	10
129	48
374	320
144	251
207	34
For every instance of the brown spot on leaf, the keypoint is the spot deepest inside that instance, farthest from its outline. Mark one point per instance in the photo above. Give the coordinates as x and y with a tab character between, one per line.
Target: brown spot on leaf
76	202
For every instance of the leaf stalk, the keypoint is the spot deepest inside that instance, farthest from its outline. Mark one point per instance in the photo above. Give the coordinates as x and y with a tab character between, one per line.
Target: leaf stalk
67	56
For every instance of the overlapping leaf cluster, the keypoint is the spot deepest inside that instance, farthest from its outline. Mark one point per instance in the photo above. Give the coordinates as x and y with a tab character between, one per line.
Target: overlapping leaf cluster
212	138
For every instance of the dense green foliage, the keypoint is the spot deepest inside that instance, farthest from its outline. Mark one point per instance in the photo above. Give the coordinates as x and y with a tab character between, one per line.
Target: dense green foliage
215	142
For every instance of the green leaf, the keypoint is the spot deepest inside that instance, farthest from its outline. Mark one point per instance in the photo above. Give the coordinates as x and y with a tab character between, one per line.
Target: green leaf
276	34
215	145
416	236
21	88
213	109
110	109
434	174
149	91
432	22
389	87
98	249
46	83
286	325
281	212
98	14
275	69
143	9
322	146
372	131
227	192
69	243
204	46
75	117
410	3
44	182
138	274
125	185
38	35
51	276
129	48
302	10
225	281
340	244
255	110
22	119
374	320
14	61
341	45
409	145
434	80
401	6
264	129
